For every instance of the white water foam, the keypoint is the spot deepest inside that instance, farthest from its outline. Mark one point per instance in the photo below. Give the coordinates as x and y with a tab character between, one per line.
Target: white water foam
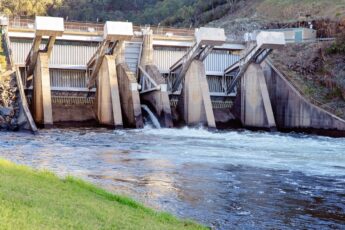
296	152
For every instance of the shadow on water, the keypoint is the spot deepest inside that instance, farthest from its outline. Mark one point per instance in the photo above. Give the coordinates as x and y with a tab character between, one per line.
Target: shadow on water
225	180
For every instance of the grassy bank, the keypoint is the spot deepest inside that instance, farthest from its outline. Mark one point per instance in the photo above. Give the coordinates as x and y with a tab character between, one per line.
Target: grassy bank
40	200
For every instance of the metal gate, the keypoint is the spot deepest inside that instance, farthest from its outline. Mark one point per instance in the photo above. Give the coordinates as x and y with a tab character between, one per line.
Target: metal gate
133	55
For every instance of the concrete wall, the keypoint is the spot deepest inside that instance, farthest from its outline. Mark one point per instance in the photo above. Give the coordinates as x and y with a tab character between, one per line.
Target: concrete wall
307	34
73	114
293	112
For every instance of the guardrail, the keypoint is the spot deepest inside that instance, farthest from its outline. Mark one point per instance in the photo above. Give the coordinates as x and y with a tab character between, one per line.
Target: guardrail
73	26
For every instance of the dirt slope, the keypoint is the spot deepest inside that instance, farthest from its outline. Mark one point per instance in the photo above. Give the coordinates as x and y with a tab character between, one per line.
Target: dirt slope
316	73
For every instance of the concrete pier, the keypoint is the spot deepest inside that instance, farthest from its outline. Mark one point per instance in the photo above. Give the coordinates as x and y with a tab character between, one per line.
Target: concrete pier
103	66
194	103
107	101
130	100
256	108
157	99
129	92
42	105
37	68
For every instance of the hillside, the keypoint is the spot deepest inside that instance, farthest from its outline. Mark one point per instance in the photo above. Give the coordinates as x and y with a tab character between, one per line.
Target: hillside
317	70
243	14
258	14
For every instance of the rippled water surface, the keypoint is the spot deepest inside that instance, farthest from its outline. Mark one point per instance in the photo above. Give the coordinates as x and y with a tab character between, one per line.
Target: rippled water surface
225	180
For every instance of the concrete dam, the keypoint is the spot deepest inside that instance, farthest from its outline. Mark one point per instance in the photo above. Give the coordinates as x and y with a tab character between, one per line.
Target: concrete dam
75	74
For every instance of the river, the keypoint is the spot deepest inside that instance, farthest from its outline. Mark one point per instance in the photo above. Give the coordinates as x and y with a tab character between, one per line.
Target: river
225	179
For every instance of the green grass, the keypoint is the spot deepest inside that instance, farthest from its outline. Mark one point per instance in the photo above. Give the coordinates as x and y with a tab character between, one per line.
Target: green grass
40	200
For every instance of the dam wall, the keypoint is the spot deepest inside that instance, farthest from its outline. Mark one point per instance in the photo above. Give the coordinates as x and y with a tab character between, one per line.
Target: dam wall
262	99
293	112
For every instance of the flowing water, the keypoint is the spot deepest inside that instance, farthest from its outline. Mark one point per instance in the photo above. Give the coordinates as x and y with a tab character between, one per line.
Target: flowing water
150	118
226	180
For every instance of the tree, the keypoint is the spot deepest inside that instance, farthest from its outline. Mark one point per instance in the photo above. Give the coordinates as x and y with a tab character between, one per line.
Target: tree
27	7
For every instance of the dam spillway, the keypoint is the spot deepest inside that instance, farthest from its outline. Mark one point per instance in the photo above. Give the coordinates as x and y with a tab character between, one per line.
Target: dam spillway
147	65
73	102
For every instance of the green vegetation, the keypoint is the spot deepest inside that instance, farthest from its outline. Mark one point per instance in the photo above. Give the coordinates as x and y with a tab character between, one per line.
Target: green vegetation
338	47
40	200
2	56
172	12
28	7
167	12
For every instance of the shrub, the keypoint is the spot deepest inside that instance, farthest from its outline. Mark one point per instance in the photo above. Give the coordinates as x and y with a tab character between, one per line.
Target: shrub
338	47
2	57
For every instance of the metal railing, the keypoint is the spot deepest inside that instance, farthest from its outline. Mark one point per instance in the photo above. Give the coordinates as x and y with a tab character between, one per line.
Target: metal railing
29	23
75	26
146	82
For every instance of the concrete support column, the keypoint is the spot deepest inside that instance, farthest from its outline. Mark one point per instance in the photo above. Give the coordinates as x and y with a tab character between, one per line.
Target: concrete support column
120	53
129	96
128	88
256	108
194	103
42	105
107	103
147	52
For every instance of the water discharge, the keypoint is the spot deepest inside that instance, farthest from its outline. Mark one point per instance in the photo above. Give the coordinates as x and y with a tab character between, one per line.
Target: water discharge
152	117
223	179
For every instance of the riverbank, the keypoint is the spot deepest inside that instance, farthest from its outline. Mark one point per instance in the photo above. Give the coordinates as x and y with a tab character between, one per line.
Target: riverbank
39	199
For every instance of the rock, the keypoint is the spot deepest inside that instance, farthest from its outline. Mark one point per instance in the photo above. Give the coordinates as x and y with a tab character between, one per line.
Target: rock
8	119
14	89
14	124
2	120
13	84
6	111
3	123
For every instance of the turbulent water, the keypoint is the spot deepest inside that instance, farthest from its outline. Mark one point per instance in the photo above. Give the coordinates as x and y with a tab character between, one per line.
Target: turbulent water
225	180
